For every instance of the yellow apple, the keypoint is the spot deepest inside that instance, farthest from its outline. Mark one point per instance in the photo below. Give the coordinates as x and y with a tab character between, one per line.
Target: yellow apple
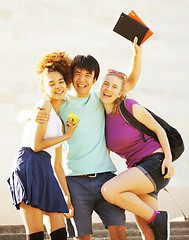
73	116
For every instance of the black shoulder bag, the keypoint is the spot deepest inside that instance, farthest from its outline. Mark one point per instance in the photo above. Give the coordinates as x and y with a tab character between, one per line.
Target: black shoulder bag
174	137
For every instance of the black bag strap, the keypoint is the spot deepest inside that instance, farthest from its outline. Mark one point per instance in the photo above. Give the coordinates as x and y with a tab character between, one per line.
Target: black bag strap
174	137
134	122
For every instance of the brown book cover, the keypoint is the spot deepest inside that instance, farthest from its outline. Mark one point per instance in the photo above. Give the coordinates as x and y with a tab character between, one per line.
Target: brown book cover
130	26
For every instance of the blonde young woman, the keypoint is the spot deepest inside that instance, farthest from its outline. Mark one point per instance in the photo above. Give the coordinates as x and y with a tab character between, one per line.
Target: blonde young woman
149	163
35	189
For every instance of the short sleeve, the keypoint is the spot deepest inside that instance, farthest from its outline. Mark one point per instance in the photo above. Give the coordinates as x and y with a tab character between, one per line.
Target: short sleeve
129	104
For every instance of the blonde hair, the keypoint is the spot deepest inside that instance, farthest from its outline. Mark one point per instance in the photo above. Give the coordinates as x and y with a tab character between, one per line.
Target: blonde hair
117	102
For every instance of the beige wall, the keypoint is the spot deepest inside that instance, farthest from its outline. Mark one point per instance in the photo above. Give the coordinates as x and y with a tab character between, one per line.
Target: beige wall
85	27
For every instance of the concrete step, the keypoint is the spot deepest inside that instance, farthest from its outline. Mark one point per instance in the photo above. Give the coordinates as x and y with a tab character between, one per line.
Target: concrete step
96	226
20	236
179	231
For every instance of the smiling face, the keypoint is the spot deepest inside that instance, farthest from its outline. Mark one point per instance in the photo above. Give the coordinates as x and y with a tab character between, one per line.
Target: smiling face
111	89
83	80
53	85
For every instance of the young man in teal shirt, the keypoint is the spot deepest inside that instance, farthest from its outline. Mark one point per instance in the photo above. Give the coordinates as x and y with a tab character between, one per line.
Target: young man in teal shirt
88	164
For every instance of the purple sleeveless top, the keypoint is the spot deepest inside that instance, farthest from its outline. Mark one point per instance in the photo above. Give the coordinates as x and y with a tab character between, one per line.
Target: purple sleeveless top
127	141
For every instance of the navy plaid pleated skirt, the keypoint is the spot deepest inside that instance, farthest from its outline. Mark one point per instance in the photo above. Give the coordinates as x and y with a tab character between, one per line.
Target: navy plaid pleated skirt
33	181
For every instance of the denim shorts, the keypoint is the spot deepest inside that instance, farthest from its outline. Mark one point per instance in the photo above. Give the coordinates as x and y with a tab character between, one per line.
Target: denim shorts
86	197
151	167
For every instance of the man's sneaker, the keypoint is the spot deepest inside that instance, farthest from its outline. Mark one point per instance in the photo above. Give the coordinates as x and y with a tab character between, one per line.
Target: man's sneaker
161	226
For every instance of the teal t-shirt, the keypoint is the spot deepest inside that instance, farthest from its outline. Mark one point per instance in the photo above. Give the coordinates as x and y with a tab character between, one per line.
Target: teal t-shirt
87	146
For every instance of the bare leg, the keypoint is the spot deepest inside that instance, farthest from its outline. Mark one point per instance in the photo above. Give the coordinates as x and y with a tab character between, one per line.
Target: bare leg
53	221
32	217
123	191
146	231
117	232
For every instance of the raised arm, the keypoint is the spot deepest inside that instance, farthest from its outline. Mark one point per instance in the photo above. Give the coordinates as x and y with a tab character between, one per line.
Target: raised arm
134	71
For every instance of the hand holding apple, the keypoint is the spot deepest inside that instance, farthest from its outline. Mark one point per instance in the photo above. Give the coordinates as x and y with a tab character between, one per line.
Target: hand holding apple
71	124
74	117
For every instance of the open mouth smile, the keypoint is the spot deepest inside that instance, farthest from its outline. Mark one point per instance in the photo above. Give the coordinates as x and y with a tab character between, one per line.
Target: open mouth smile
59	92
82	85
106	94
